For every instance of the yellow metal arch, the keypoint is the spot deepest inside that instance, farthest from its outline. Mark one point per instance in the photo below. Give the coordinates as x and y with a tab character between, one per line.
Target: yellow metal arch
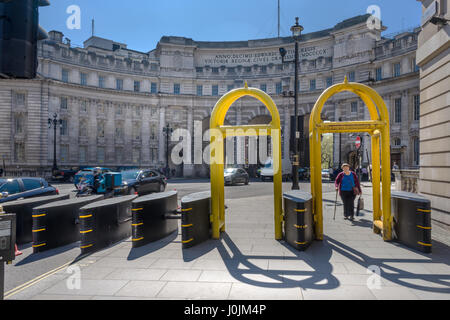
218	132
378	128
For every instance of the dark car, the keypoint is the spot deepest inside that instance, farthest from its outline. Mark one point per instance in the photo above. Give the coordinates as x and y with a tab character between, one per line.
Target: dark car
65	175
303	173
143	181
235	175
17	188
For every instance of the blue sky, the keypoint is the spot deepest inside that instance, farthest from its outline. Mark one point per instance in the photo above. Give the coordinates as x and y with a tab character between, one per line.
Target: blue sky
141	23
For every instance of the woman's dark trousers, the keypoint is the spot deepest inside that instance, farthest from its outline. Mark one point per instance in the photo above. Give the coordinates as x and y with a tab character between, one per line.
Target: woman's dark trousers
348	198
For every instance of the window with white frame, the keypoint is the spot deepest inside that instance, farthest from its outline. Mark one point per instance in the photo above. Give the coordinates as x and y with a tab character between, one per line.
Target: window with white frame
176	88
199	90
83	78
153	87
19	123
63	103
278	88
101	81
351	76
65	75
64	130
354	107
137	86
83	106
397	69
215	90
119	84
19	99
378	74
263	87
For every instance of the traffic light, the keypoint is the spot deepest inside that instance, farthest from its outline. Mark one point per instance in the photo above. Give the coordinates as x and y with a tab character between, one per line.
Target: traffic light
19	33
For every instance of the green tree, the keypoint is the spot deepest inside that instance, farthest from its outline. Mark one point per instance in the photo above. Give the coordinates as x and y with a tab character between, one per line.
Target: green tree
327	150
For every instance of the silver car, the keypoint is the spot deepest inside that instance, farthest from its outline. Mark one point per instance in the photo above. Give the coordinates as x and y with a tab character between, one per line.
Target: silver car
235	175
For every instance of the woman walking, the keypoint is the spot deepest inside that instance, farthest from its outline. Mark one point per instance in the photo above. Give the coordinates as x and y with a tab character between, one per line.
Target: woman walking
348	185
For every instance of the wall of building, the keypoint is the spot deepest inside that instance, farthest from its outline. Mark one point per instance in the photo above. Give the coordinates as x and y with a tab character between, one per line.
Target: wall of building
433	57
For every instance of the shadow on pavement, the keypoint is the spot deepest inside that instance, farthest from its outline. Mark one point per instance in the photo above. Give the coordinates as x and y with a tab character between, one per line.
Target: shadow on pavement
317	271
136	253
32	257
241	268
398	275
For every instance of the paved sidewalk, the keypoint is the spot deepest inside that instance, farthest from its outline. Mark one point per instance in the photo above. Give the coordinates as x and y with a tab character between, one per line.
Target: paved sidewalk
247	263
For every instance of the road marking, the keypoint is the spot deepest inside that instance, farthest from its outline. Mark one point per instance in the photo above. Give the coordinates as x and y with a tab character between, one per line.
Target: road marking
28	284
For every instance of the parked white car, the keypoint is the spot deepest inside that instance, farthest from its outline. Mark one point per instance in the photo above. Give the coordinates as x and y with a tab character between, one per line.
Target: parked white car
267	170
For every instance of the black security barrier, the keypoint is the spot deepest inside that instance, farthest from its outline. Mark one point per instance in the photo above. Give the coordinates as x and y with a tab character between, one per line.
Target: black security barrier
56	224
195	218
153	217
298	219
105	222
24	211
412	220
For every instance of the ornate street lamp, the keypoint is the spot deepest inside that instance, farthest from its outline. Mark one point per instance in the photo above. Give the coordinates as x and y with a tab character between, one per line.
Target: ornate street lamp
55	123
296	32
167	130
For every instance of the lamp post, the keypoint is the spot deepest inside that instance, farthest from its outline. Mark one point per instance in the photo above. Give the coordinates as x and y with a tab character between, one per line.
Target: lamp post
296	32
167	130
55	123
340	149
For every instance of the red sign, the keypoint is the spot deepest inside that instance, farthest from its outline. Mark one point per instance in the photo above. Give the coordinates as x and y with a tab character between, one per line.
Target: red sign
358	142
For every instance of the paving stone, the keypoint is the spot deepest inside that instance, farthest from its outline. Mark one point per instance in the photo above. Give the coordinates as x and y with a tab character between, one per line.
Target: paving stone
88	288
141	289
196	290
136	274
181	275
340	293
243	291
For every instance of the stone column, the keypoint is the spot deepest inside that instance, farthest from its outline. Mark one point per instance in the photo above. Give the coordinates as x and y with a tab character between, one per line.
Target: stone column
162	137
145	135
188	168
336	136
286	131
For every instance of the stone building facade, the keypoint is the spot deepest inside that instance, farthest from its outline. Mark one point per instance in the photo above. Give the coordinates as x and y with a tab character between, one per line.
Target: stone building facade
114	101
433	57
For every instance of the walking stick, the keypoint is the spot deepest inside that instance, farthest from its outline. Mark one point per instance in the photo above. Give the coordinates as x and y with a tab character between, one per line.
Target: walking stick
335	203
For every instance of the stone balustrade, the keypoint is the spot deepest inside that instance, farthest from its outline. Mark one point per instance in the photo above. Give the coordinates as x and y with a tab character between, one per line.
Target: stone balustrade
406	180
